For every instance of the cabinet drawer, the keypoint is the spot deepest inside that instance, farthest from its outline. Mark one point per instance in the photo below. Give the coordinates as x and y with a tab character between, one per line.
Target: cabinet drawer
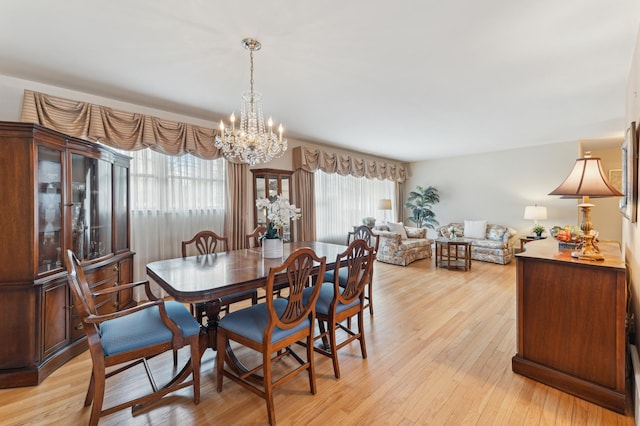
77	330
100	280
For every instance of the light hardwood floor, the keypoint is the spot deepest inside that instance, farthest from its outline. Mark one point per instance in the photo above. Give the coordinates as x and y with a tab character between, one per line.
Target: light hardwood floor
439	345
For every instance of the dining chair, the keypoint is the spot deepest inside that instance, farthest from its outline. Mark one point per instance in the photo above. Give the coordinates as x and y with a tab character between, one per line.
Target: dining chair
207	242
339	302
131	337
253	239
365	233
272	327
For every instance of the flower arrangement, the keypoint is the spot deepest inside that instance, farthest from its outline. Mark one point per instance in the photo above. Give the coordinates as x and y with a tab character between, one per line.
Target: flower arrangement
279	213
452	231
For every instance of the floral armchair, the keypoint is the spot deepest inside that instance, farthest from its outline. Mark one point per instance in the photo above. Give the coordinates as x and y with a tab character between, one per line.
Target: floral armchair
401	245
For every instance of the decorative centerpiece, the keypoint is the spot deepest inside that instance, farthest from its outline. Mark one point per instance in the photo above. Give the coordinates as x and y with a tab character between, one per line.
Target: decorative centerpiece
279	213
569	237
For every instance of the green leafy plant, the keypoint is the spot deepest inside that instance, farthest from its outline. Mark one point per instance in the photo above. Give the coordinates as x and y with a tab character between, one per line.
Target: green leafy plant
538	229
420	201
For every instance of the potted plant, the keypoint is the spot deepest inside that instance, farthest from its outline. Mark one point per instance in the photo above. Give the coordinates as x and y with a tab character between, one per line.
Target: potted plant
538	230
420	201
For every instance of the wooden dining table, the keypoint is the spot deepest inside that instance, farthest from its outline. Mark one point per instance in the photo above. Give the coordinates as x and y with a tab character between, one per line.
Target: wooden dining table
207	278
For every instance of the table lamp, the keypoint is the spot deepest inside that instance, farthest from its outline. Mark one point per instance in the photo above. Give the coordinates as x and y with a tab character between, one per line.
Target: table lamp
535	213
384	204
586	180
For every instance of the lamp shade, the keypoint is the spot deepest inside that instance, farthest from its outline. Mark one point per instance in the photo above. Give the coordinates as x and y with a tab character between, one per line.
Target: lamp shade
586	179
384	204
535	212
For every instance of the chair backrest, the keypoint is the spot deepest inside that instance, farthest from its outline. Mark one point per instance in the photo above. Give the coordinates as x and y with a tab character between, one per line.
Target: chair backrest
83	299
206	242
298	269
364	233
255	237
358	259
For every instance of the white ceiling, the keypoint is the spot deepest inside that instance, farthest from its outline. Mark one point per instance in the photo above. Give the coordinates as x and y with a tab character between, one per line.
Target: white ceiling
405	79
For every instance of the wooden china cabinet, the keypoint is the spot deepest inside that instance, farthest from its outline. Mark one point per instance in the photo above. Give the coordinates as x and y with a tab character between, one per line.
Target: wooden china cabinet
268	183
58	192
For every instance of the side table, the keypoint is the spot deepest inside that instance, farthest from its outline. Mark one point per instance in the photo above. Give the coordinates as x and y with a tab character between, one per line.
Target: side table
528	239
458	253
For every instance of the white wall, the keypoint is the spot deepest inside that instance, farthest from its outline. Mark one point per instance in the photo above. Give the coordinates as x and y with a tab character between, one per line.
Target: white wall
498	186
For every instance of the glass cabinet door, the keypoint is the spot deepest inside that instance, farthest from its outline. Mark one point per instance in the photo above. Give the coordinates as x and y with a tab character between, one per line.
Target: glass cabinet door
49	209
91	199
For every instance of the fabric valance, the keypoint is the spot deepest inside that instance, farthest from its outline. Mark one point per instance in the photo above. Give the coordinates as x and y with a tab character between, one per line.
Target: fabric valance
311	160
119	129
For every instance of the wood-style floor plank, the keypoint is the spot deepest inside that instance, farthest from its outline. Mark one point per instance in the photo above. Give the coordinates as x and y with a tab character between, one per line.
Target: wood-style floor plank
439	345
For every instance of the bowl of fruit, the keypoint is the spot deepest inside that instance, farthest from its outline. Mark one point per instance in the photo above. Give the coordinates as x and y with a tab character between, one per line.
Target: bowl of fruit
569	237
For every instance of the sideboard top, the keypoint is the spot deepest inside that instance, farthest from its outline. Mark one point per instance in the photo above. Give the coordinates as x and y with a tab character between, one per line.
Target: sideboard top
547	249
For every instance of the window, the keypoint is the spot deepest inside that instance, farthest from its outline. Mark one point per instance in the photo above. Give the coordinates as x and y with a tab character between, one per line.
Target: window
342	202
172	198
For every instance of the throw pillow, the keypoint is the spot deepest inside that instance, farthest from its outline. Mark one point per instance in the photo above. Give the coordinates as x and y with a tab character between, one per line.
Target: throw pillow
475	229
398	228
497	233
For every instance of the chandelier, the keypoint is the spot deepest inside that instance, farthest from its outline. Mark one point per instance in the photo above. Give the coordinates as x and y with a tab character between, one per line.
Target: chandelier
251	142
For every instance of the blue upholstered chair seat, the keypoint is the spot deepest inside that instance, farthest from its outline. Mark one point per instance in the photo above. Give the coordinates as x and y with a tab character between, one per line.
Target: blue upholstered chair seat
250	322
145	328
343	274
324	299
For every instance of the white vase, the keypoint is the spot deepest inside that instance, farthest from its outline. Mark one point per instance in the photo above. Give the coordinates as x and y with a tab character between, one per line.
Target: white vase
272	248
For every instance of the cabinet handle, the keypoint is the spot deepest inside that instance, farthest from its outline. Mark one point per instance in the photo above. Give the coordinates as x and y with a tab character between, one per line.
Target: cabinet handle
79	326
115	268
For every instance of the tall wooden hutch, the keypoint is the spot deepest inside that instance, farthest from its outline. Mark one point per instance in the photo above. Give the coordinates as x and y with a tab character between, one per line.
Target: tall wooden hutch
58	193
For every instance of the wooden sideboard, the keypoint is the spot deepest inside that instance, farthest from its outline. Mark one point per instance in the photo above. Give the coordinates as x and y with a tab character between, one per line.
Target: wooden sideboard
571	322
58	193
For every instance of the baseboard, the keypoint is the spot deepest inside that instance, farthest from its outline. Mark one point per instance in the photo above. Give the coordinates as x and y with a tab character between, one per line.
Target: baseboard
635	362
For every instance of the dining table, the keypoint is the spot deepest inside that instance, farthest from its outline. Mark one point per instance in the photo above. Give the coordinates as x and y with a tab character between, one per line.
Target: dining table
207	278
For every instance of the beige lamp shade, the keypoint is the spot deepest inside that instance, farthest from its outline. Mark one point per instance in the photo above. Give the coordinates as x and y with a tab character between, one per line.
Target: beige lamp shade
586	179
535	212
384	204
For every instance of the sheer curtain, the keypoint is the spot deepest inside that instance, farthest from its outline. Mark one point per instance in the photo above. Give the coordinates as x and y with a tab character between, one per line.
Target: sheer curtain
342	202
172	198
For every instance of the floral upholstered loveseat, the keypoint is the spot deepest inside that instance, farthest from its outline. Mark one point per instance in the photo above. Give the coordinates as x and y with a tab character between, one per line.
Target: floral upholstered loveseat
496	246
401	248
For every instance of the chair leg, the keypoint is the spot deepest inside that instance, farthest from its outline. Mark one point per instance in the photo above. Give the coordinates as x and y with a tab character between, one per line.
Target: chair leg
254	298
98	382
370	297
363	345
195	365
312	368
90	389
334	351
268	387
